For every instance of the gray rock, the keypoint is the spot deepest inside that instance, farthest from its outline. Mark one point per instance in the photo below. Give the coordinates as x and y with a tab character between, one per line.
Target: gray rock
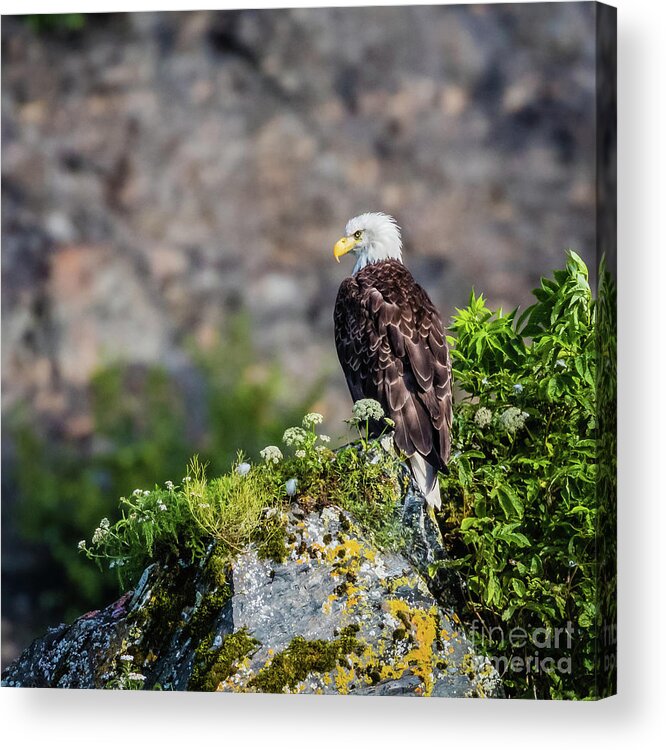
338	615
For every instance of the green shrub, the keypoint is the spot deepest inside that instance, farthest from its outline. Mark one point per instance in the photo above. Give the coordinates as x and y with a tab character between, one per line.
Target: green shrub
520	493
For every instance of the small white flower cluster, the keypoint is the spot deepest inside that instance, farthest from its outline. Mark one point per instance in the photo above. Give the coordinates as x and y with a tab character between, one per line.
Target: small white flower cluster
513	419
82	544
310	420
300	454
367	408
136	676
243	469
126	657
325	438
291	486
161	506
518	388
294	436
101	531
169	485
483	417
271	454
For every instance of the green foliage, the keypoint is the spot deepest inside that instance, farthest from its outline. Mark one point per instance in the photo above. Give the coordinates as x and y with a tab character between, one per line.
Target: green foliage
56	22
520	493
247	401
141	435
247	504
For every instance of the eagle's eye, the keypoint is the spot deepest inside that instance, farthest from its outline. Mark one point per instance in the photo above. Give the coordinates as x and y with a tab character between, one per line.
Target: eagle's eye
358	234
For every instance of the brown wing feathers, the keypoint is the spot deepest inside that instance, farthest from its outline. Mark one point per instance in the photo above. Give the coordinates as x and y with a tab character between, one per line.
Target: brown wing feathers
391	346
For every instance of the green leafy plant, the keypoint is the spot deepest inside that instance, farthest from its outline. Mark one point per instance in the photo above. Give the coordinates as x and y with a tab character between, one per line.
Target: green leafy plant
520	496
246	504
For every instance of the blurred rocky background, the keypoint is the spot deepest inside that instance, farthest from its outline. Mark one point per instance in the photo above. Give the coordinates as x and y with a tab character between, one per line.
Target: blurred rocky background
172	187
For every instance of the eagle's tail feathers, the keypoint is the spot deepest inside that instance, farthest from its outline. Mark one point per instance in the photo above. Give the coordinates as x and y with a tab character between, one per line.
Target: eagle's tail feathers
425	477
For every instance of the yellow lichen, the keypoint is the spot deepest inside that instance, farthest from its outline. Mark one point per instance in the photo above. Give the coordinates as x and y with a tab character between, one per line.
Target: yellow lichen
423	627
343	679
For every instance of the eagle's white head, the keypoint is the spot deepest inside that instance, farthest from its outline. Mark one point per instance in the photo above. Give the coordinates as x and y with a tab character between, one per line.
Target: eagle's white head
370	238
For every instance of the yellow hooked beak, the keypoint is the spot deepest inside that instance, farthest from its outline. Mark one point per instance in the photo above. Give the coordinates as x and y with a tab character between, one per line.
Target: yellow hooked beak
343	246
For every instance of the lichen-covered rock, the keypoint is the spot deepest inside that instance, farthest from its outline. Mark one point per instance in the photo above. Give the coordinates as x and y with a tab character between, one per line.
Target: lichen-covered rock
336	615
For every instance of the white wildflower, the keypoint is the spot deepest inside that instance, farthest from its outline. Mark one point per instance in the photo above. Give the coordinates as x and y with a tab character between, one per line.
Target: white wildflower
271	454
483	417
513	419
126	657
137	676
104	524
310	420
99	534
184	480
484	381
300	454
386	441
561	363
146	493
291	486
518	388
367	408
325	438
243	469
81	544
137	493
169	485
162	506
294	436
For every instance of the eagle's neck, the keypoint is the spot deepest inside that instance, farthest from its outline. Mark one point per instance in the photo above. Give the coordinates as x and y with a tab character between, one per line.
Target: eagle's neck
373	255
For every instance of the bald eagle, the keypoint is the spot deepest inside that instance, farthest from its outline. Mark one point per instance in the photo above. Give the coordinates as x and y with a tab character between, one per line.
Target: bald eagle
392	347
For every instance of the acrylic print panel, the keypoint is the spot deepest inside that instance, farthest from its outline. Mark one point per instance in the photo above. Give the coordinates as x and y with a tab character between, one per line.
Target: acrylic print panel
233	464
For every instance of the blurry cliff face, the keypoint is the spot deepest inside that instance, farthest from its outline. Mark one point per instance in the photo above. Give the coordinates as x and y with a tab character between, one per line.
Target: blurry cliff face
162	170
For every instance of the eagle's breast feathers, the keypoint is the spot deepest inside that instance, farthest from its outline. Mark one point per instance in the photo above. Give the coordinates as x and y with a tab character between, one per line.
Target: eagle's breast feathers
392	348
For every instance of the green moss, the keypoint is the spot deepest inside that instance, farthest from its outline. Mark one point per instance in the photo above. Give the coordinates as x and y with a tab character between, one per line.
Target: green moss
213	666
302	657
206	613
217	567
272	542
208	609
162	612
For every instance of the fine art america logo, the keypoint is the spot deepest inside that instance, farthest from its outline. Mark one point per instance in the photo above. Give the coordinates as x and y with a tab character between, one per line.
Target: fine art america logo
536	645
